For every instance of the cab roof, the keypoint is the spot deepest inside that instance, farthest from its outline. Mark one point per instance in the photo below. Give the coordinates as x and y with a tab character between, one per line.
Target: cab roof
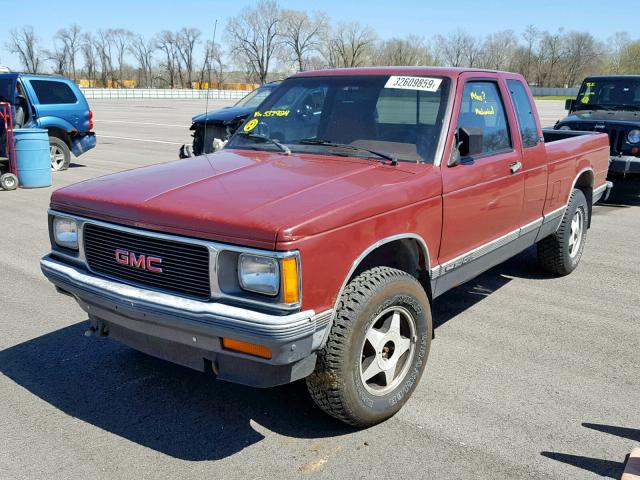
440	71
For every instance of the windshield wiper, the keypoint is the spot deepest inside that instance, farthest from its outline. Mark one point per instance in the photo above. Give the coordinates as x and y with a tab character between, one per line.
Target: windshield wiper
327	143
265	139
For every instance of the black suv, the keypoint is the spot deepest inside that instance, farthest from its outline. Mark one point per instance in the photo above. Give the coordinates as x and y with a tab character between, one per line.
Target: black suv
610	104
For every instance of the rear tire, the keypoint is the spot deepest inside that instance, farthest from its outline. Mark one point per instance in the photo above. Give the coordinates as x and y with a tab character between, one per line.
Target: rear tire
59	153
377	348
561	252
8	181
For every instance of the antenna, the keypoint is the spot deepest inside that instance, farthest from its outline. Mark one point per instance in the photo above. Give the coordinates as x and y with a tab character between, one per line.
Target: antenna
206	108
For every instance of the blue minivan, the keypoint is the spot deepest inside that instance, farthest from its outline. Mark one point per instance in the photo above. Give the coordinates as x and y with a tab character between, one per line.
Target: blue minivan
55	104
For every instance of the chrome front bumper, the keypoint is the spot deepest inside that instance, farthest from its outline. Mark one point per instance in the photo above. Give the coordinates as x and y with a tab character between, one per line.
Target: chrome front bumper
189	332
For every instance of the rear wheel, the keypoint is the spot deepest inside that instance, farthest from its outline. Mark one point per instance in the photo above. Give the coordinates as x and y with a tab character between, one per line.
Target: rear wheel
59	153
377	349
561	252
8	181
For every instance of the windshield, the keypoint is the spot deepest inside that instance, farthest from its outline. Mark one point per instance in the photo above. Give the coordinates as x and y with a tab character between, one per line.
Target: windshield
255	98
609	93
7	89
382	117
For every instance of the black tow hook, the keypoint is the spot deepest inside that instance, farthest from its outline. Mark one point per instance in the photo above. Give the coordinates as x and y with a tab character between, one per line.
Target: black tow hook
101	330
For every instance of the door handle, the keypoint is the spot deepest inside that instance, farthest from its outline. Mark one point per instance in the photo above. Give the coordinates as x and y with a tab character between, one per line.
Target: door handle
515	166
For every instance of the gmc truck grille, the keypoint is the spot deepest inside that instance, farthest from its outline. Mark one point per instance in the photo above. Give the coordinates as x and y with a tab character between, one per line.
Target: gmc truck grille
166	265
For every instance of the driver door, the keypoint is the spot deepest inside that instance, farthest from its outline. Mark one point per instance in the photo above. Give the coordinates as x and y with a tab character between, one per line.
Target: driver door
483	195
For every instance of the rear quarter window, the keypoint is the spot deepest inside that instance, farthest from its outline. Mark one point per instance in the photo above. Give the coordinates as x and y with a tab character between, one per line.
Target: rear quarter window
52	92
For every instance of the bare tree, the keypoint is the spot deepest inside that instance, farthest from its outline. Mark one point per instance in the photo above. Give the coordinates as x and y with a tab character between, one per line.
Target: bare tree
410	51
120	39
581	53
254	37
349	45
59	57
618	45
186	40
143	51
549	56
89	56
630	58
499	49
70	38
457	49
24	43
531	36
166	42
301	34
103	48
213	64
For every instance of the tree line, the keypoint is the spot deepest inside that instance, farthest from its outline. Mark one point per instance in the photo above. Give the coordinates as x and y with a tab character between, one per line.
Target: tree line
266	42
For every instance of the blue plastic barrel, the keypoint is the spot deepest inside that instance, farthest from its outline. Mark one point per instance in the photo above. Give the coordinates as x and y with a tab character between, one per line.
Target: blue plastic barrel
32	157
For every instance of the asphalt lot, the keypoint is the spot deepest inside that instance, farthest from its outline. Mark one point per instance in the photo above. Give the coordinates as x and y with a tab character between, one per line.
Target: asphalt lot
529	376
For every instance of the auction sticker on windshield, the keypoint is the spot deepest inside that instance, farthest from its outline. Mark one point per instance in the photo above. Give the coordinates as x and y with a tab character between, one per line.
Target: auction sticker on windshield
425	84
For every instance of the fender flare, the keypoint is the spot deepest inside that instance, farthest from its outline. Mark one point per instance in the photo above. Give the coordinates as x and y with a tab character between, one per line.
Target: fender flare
356	263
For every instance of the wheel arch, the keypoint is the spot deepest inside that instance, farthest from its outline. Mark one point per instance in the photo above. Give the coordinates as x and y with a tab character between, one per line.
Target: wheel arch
407	252
584	182
61	134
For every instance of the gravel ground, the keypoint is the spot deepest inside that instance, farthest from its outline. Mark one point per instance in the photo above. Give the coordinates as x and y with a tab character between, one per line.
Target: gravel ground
529	377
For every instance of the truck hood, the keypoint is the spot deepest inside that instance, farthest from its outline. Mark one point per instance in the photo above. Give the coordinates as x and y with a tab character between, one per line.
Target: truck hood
223	115
601	116
245	197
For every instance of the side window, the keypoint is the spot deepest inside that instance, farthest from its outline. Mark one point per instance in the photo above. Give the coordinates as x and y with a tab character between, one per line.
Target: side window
52	92
482	108
524	111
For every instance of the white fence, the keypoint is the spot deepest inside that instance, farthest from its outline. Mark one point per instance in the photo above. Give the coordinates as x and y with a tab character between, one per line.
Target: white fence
551	91
139	93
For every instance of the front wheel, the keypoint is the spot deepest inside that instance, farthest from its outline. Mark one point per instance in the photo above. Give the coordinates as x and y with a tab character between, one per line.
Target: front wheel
59	153
377	349
8	181
561	252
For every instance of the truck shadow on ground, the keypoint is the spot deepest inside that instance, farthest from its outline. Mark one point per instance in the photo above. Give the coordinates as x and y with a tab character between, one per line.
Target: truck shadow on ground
604	468
171	409
183	413
625	194
460	299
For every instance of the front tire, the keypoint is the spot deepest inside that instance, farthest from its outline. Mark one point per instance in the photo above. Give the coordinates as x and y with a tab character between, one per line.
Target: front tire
59	153
377	348
561	252
8	181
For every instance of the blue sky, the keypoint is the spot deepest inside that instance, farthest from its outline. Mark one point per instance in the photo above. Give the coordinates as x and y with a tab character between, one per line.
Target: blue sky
397	18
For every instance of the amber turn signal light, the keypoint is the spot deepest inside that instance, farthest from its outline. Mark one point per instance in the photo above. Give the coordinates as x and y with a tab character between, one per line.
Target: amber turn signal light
246	347
290	284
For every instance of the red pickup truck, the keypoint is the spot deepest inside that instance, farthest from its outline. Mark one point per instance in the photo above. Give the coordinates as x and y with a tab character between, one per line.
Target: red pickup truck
313	245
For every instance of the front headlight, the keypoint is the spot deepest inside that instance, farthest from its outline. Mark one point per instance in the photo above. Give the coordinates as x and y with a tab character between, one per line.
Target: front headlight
565	127
634	136
65	232
259	274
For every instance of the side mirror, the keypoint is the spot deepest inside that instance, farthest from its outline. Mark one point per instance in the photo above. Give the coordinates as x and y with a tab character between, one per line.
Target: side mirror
471	140
468	142
569	104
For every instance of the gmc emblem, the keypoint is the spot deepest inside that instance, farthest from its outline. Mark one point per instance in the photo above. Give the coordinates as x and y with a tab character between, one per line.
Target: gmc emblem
141	262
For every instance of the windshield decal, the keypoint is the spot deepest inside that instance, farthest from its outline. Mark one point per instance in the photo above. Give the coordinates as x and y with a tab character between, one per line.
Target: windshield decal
480	97
251	124
425	84
485	111
272	113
